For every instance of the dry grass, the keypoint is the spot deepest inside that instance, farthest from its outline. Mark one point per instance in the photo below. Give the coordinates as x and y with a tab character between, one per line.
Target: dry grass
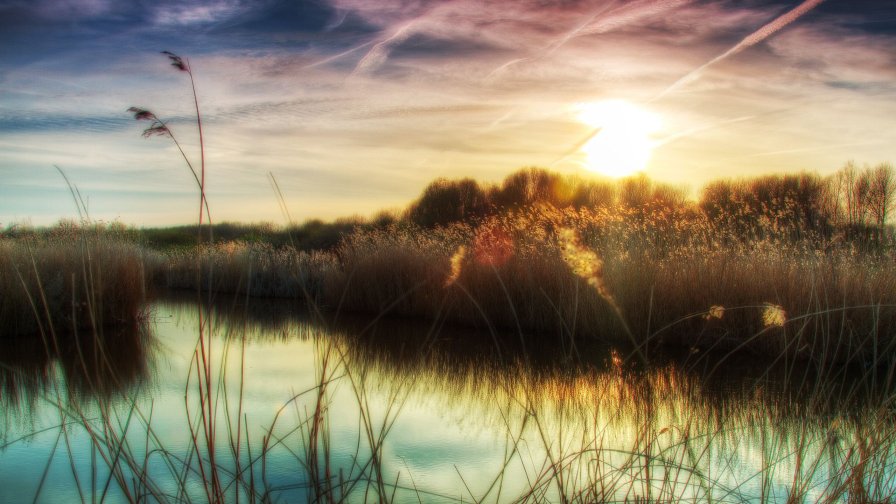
620	274
254	269
74	282
649	276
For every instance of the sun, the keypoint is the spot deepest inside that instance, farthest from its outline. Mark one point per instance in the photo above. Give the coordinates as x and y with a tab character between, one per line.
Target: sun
622	144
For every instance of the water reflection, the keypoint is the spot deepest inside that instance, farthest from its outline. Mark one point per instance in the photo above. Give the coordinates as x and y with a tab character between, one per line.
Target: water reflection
318	406
586	419
76	367
607	428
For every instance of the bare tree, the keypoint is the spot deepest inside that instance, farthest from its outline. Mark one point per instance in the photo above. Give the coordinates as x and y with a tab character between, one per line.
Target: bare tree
635	191
882	188
854	188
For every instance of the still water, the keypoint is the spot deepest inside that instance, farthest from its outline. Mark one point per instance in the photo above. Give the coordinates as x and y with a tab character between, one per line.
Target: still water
299	406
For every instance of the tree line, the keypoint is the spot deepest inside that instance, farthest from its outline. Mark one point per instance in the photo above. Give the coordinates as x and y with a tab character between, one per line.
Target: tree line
855	200
855	203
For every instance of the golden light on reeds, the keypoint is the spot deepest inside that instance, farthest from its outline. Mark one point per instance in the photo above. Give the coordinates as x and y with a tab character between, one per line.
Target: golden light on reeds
715	312
584	263
773	315
457	261
492	246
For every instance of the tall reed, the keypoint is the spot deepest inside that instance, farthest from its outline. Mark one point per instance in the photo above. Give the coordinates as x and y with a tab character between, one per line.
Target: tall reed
63	284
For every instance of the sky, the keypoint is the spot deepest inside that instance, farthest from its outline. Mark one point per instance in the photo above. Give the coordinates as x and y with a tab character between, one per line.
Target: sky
354	106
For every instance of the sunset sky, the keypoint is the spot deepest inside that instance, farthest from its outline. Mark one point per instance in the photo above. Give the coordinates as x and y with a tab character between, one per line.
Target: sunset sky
355	105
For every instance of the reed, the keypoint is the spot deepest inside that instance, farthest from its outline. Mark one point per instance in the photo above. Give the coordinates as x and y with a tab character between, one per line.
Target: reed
70	284
648	277
257	270
662	278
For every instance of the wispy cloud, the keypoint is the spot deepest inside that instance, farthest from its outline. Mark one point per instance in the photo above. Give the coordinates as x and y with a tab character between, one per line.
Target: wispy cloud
815	148
627	14
67	10
192	13
380	51
754	38
339	55
837	54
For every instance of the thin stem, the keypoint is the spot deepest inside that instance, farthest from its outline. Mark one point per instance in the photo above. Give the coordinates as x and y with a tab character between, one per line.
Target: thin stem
202	199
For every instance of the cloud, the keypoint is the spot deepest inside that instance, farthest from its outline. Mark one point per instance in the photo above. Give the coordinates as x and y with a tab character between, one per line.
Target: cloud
289	17
838	55
380	51
68	10
185	14
750	40
500	26
627	14
31	121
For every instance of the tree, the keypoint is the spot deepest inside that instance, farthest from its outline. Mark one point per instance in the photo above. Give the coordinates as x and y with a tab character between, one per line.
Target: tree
446	201
881	191
793	203
635	191
528	186
853	186
538	185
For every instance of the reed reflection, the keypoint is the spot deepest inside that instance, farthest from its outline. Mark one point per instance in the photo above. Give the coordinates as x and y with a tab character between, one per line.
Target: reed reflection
580	423
73	368
457	358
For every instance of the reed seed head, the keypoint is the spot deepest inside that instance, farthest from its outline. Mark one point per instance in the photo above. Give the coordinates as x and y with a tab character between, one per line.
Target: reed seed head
142	114
177	61
773	315
157	128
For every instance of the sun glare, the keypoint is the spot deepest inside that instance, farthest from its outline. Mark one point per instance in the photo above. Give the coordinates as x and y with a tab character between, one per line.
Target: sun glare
623	144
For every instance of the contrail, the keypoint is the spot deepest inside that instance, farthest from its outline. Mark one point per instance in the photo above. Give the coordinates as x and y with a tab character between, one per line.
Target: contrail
750	40
553	46
629	13
577	146
597	22
700	129
494	124
337	56
575	32
494	73
814	149
380	52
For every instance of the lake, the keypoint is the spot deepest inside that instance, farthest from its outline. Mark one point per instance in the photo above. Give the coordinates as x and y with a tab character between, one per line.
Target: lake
307	406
